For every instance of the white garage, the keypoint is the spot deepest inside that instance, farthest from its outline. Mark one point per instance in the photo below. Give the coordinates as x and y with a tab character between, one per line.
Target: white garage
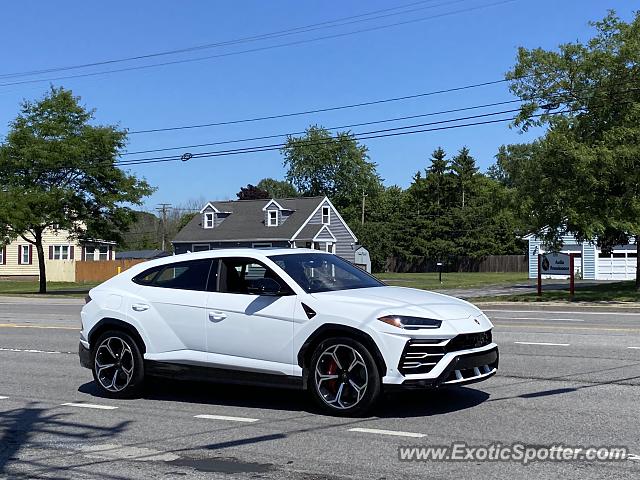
618	265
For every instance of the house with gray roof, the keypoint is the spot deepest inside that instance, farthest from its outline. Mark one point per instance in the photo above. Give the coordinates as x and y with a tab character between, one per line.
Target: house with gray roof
303	222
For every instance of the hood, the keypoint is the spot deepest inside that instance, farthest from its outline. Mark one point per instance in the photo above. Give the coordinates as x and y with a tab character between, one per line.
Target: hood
405	301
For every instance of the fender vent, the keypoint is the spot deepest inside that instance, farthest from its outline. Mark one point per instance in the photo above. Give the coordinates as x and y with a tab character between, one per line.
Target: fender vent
309	311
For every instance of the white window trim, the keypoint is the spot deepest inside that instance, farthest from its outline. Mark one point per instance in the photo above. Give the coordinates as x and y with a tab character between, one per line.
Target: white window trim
272	202
328	209
61	246
2	255
272	222
23	249
205	221
100	247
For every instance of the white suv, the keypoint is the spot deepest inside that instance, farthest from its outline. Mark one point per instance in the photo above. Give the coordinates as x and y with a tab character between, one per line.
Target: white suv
291	317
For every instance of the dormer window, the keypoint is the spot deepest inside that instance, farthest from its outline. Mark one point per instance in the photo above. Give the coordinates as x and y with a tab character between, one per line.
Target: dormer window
272	218
326	215
208	220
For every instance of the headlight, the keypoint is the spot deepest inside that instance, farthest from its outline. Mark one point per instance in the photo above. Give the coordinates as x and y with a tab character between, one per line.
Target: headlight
410	323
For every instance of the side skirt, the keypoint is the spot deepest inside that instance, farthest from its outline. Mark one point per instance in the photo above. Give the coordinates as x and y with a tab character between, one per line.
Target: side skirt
219	375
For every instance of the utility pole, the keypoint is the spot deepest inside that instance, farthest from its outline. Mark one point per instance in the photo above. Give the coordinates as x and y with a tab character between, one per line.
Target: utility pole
363	197
162	208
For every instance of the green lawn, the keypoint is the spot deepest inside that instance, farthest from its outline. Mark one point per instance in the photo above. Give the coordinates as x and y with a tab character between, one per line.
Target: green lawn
429	281
13	287
606	292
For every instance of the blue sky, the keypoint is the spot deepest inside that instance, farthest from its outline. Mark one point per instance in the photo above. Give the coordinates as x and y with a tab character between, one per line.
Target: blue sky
463	48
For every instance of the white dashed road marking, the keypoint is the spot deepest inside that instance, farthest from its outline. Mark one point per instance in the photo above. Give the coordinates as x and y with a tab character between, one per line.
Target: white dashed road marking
3	398
229	419
387	432
544	312
90	405
24	350
544	343
634	348
538	318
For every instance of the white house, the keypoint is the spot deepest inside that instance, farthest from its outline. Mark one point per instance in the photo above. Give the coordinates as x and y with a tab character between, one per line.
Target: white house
590	262
19	258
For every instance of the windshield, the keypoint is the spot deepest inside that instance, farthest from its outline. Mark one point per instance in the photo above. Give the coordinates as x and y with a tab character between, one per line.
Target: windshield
318	272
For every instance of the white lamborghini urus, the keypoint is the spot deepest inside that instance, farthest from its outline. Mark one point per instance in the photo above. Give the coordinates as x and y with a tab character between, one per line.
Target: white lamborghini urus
290	317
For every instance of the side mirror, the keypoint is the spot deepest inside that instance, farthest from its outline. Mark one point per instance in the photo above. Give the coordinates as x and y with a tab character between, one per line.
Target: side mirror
264	286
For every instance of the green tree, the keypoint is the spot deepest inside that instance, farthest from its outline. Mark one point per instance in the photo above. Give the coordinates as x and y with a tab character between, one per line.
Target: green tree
251	192
278	188
464	168
319	163
584	178
59	169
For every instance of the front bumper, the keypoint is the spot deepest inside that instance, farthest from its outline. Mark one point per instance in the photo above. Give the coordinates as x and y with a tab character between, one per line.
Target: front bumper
463	369
85	356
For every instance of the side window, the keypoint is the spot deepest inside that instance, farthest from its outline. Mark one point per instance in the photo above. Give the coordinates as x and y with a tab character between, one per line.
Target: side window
146	277
191	275
238	274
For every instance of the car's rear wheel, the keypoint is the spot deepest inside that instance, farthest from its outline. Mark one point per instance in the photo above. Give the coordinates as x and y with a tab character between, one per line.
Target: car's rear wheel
343	377
118	367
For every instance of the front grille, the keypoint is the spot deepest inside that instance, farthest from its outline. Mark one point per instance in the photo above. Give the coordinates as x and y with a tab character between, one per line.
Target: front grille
420	356
466	341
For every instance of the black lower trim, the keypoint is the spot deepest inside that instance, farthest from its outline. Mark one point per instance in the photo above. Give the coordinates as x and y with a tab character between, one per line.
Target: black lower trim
85	356
460	362
219	375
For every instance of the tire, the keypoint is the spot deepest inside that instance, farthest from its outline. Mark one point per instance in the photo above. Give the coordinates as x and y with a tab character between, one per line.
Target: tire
117	365
343	377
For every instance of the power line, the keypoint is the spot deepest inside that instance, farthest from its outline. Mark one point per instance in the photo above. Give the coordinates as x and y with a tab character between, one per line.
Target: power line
279	146
361	136
259	49
265	137
439	122
321	110
253	38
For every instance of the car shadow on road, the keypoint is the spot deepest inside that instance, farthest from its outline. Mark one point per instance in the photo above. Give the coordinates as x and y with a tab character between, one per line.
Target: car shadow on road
392	405
429	403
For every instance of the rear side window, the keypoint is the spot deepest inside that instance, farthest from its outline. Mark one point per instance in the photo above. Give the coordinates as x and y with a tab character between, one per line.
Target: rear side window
146	277
191	275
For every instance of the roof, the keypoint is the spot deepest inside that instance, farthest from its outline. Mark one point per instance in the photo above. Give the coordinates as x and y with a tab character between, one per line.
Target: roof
309	231
144	254
247	221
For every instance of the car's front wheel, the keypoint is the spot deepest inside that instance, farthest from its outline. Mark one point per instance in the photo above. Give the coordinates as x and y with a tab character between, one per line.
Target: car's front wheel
343	377
118	367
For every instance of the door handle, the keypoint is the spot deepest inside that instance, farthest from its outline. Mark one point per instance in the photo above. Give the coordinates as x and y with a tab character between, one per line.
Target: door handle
140	307
216	316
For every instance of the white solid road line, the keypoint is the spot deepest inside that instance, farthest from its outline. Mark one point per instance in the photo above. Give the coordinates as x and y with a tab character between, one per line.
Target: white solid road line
634	348
538	318
227	418
90	405
544	343
22	350
3	398
388	432
543	312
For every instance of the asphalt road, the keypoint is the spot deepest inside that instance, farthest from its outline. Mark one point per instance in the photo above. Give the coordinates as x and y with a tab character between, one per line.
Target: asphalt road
569	376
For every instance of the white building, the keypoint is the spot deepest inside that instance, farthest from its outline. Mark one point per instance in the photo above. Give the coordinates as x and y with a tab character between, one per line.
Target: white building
590	262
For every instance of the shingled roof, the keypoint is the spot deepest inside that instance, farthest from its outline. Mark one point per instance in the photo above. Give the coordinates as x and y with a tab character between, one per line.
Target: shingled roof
246	221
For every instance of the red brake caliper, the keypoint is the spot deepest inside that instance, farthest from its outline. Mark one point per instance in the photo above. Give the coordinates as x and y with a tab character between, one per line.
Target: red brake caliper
332	385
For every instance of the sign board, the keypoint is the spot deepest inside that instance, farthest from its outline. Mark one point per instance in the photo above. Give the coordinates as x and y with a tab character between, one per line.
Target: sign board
555	264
